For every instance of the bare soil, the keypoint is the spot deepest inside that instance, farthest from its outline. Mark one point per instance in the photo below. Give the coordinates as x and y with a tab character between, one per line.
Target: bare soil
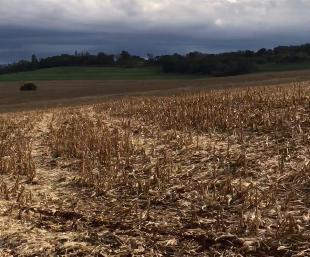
75	92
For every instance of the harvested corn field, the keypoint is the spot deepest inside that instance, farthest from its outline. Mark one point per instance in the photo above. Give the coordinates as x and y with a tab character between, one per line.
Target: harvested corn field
210	173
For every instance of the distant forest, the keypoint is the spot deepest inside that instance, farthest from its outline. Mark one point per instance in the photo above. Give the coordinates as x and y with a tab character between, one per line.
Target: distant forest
223	64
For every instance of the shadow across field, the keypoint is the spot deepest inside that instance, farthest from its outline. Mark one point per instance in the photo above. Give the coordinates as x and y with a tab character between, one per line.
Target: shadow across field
75	92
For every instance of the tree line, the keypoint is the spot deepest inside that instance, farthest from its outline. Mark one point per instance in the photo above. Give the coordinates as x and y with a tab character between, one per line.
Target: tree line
223	64
124	59
233	63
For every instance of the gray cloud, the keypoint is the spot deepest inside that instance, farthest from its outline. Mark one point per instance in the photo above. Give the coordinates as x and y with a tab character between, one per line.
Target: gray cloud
159	26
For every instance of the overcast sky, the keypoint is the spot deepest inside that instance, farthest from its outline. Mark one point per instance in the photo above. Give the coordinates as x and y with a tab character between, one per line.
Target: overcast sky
47	27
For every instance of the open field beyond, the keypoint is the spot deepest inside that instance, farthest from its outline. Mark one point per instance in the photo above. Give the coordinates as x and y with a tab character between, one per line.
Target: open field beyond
117	73
94	73
75	92
208	173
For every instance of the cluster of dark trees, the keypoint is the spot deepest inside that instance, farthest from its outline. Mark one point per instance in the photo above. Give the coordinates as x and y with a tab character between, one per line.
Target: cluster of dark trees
215	65
124	59
233	63
222	64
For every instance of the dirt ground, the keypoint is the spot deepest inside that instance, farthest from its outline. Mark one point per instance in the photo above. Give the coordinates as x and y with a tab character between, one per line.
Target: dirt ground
184	193
64	93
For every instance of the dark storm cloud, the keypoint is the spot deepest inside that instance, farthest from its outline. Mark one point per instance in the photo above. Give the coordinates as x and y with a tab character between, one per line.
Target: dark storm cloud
47	27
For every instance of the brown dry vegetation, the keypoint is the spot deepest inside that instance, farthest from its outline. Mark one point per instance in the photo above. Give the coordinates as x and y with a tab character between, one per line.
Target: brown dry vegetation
211	173
16	162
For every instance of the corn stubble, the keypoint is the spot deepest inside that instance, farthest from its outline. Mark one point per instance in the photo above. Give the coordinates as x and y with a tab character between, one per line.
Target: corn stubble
211	173
16	163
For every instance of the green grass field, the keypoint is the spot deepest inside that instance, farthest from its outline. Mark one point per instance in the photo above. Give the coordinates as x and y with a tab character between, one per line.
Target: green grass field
115	73
270	67
93	73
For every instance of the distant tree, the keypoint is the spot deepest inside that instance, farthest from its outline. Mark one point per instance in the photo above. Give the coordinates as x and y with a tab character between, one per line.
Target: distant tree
261	51
126	60
34	62
150	59
104	59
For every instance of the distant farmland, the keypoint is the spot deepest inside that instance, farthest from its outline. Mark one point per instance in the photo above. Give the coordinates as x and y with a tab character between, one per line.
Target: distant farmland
117	73
54	92
94	73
